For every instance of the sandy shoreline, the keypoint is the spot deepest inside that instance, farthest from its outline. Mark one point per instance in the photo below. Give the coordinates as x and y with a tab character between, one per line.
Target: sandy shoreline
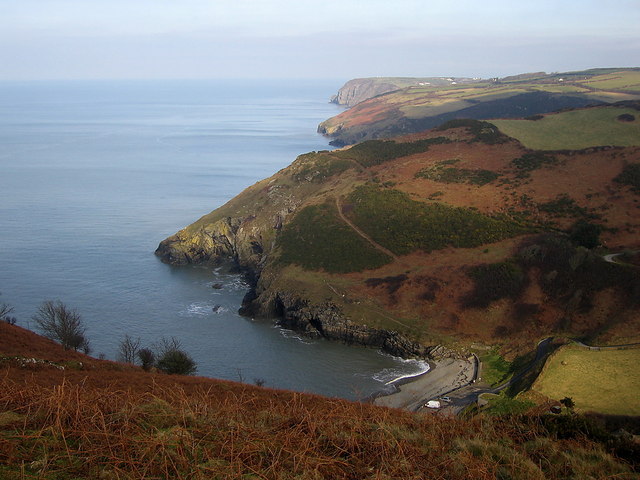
443	377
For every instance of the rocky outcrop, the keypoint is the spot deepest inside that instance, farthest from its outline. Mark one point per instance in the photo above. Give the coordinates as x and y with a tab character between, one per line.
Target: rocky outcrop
361	89
229	239
326	320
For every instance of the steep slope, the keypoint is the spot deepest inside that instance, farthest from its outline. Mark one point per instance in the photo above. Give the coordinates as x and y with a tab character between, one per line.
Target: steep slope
455	235
416	108
102	420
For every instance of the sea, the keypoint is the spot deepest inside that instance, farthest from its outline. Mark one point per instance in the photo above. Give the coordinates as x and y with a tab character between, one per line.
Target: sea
94	174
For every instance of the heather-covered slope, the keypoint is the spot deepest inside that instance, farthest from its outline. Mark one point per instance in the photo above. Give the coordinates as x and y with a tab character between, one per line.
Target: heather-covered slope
456	235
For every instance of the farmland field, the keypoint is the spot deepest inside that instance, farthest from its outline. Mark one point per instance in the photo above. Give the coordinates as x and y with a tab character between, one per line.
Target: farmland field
606	381
575	129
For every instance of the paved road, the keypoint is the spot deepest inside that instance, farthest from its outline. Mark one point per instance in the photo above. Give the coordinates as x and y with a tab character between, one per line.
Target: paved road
611	258
465	396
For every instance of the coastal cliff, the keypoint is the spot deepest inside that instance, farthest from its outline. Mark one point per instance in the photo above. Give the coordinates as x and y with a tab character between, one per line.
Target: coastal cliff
413	105
453	236
360	89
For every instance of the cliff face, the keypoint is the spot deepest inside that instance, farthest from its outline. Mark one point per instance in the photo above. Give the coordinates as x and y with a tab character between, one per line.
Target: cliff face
231	239
361	89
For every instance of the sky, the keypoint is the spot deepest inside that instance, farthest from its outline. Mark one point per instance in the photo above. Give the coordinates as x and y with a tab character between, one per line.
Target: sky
337	39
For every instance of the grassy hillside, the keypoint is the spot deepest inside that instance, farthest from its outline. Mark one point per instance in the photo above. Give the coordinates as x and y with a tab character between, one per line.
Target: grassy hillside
606	381
103	420
416	108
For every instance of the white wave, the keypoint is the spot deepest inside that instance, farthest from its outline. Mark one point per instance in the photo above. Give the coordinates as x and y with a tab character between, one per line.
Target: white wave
295	336
197	309
410	368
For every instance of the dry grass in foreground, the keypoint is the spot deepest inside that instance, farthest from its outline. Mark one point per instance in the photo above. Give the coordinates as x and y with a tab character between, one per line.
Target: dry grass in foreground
100	420
75	431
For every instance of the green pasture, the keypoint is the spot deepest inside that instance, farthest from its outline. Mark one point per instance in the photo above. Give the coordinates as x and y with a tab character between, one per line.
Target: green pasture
575	130
606	381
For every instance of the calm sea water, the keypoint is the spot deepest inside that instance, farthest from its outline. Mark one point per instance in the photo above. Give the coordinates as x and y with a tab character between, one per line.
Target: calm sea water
94	174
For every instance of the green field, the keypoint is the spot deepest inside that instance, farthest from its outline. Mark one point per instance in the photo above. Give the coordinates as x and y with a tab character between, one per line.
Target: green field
606	381
575	129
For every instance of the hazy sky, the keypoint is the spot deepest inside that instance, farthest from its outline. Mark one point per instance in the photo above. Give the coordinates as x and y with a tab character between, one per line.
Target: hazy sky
340	39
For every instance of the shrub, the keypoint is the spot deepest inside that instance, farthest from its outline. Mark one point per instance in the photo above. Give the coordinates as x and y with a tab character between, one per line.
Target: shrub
444	174
532	161
484	132
495	281
586	234
564	205
630	175
147	358
176	362
5	310
128	350
626	117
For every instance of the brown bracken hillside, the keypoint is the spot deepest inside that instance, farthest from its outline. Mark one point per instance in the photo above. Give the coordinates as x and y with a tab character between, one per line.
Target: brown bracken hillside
67	416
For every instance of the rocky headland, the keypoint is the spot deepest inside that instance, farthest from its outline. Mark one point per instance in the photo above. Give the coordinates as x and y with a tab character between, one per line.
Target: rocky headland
452	236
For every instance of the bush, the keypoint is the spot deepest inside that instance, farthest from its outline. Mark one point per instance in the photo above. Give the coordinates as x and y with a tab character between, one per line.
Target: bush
5	310
440	172
495	281
586	234
319	166
176	362
128	350
630	175
532	161
484	132
564	205
147	358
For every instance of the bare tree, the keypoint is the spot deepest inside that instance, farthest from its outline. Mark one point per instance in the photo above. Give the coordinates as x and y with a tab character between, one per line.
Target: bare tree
165	345
128	350
5	310
61	324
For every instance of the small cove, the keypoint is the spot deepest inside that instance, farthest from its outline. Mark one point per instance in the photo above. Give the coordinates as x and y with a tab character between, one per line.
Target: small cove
95	174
